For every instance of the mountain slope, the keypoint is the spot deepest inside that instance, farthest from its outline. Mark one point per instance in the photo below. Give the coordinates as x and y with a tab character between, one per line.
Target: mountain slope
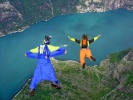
75	82
110	81
17	15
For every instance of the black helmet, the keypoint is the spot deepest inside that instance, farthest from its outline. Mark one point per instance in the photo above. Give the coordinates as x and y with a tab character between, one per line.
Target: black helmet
47	39
84	36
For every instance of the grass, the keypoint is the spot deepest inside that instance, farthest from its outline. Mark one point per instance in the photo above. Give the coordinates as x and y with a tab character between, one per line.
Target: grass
129	80
79	84
76	84
116	57
118	95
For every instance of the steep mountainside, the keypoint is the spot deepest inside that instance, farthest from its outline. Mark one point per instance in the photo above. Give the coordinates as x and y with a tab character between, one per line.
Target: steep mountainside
112	80
16	15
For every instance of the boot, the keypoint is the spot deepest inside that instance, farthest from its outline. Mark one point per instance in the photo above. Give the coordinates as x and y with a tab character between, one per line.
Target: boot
83	66
32	92
93	59
56	86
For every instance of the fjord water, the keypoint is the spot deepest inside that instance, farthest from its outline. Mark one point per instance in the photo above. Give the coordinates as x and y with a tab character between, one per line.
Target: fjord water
115	28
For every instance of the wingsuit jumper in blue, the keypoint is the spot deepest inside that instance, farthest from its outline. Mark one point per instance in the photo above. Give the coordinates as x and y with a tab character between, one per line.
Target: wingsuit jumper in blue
44	69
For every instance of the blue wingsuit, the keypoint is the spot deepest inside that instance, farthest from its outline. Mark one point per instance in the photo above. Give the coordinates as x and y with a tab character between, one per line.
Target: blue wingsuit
44	69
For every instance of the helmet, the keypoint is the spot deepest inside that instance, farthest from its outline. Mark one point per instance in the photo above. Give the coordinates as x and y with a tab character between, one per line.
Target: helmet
84	36
47	39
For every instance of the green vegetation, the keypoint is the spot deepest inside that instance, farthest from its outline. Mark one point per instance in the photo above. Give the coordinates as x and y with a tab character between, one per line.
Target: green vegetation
129	80
116	57
33	11
76	84
41	10
118	95
91	83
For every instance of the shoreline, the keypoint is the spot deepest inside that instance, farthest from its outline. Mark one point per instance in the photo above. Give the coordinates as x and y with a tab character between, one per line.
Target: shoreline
26	82
12	32
22	29
26	27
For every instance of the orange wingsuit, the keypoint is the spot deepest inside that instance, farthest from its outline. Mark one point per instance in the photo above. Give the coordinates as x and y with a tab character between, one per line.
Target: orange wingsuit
85	51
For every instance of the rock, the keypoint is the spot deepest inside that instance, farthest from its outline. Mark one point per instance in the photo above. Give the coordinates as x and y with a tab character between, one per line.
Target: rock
104	5
105	63
16	14
129	56
117	73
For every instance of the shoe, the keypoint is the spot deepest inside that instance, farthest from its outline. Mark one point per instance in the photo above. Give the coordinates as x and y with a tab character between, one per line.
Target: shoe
93	58
83	66
56	86
32	92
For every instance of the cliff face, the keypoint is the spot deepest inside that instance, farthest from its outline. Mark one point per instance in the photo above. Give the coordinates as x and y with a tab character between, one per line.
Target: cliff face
103	5
16	15
109	81
120	76
10	17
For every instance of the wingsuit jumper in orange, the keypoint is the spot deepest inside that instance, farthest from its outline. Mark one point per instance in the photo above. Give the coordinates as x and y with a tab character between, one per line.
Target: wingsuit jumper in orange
85	51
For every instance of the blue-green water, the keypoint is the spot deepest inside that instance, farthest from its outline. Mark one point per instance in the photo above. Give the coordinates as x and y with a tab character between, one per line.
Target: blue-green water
115	28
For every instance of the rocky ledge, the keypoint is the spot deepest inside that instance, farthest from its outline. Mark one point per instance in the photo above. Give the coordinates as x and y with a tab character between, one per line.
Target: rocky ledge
109	81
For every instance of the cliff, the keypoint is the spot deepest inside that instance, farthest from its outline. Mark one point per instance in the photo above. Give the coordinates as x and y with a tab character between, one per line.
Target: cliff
119	75
109	81
17	15
103	5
